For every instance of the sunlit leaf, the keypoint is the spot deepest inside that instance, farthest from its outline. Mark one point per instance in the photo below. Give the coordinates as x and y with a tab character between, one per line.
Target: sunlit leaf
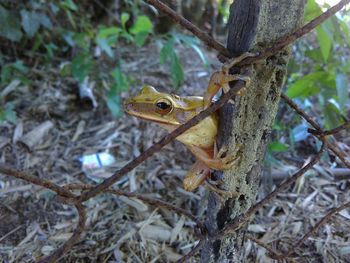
106	32
124	18
278	147
142	24
325	42
306	85
312	10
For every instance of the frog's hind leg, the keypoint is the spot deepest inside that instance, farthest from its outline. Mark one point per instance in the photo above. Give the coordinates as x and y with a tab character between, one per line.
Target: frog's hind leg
196	176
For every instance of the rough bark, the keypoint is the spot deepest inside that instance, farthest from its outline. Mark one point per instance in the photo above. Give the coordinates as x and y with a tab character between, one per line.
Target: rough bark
253	24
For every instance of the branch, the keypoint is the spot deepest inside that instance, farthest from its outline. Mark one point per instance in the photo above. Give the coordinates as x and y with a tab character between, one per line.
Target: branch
229	228
37	181
325	219
151	201
332	146
72	240
286	40
190	27
344	126
273	49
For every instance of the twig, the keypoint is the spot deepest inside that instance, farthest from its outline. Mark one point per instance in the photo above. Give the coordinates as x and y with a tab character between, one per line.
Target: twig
193	252
37	181
332	146
273	49
286	40
229	228
206	38
260	243
243	219
151	201
344	126
58	253
308	234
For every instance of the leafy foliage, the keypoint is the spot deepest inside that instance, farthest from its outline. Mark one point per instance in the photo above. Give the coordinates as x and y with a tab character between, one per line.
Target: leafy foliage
318	70
61	28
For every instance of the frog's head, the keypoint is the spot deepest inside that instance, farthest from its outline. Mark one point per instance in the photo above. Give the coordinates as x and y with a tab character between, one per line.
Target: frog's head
162	108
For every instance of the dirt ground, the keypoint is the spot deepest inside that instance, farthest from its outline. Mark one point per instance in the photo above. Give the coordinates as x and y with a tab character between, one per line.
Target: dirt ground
33	221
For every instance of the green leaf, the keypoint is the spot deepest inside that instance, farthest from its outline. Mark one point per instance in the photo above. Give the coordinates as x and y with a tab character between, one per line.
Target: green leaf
10	114
142	24
312	10
325	42
19	66
113	103
124	18
306	85
103	44
140	38
344	27
44	20
120	80
342	91
278	147
332	114
166	51
194	44
81	66
5	74
106	32
30	23
177	73
7	113
10	25
315	54
69	4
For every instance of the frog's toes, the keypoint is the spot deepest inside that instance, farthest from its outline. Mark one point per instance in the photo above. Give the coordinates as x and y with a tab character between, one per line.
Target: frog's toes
228	159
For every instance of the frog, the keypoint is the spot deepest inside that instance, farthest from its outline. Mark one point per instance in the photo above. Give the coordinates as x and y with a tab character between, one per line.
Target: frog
170	111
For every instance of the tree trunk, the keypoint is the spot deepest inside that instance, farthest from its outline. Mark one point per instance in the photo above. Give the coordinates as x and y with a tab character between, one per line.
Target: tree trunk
253	25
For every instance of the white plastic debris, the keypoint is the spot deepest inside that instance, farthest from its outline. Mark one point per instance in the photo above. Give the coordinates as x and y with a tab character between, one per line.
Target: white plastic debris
94	165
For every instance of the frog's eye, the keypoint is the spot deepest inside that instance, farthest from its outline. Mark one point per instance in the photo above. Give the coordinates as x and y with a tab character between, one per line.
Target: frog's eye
163	106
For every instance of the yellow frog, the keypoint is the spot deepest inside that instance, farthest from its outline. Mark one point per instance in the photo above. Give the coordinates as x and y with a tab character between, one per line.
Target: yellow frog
170	111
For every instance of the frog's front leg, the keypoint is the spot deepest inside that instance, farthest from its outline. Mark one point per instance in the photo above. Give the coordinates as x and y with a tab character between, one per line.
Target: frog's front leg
217	161
220	79
196	176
